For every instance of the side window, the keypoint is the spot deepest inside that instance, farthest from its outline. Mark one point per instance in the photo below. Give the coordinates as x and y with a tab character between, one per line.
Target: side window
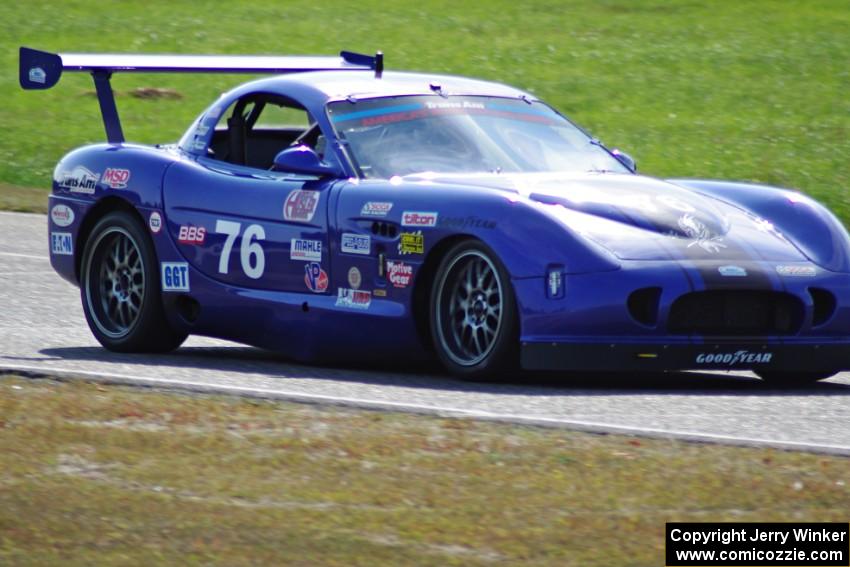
255	128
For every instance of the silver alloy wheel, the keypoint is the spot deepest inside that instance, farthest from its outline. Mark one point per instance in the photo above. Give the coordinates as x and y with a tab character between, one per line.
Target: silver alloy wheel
469	308
115	282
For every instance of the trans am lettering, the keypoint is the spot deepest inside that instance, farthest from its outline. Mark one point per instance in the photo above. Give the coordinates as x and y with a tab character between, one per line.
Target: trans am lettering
399	274
301	205
310	250
734	358
116	178
80	180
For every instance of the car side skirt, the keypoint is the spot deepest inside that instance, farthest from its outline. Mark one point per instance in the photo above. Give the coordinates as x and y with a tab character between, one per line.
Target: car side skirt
649	357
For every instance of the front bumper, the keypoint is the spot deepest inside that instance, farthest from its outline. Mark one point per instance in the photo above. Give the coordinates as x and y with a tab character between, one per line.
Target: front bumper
757	356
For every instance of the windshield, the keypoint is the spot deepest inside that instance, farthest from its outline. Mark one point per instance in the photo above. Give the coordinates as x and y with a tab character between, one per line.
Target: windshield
469	134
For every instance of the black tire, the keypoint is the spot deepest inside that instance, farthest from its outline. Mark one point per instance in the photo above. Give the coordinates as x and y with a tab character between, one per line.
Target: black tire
793	378
120	288
473	314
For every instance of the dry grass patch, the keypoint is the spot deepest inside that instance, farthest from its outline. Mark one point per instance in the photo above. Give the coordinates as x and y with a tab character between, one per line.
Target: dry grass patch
101	475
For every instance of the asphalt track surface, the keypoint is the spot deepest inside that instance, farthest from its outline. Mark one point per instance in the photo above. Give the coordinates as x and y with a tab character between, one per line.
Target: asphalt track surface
43	333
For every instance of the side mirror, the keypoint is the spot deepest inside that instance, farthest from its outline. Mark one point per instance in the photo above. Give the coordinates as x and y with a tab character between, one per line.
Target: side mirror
303	159
625	159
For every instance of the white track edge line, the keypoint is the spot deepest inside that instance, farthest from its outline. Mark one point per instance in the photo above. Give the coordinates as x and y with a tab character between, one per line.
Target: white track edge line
578	425
17	255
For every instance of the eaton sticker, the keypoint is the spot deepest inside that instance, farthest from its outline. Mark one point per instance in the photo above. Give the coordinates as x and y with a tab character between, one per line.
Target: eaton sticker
191	234
399	274
61	243
797	271
732	271
310	250
175	276
315	278
411	243
353	298
300	205
155	222
115	177
62	215
79	180
376	209
356	243
418	219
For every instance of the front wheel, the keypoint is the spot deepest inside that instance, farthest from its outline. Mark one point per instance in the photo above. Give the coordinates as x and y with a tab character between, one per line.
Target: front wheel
793	378
119	287
473	314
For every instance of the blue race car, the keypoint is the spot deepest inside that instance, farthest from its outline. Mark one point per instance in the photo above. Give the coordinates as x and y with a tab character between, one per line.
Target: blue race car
334	211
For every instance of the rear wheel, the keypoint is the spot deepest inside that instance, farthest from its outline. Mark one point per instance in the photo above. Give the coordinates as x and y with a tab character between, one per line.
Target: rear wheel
794	378
119	287
473	314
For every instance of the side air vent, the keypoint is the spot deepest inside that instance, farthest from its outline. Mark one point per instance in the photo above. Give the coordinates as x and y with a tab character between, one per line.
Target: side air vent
736	313
824	306
384	229
643	305
188	308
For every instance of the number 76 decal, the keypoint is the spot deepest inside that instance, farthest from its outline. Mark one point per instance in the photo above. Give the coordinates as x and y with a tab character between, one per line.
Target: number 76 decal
251	254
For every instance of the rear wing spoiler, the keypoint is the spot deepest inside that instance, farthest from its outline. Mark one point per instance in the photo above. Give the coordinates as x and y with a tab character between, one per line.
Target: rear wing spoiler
39	70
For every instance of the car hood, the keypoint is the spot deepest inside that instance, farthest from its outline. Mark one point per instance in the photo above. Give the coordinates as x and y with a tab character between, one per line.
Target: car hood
643	218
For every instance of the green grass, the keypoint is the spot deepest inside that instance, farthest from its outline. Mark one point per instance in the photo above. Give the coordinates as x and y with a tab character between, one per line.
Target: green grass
752	89
106	475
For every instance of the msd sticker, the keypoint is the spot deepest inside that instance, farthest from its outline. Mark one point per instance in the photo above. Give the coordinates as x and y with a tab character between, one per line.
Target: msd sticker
61	243
356	243
116	178
175	276
301	205
399	274
62	215
353	298
376	209
310	250
315	277
419	219
191	234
